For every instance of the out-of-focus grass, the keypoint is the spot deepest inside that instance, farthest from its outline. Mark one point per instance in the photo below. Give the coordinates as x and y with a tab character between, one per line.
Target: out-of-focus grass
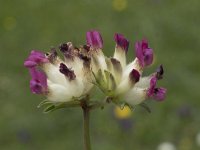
172	28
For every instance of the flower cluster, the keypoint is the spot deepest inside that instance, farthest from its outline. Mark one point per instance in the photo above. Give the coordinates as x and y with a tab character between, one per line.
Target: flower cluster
72	78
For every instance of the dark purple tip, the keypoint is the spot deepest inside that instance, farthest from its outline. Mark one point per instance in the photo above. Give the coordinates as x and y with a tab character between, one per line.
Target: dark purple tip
121	41
94	39
38	83
144	53
64	47
53	55
86	60
134	76
67	49
86	47
159	72
67	72
35	58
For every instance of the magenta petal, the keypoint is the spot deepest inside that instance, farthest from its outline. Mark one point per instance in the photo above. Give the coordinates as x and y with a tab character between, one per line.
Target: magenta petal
150	91
38	53
121	41
144	53
139	53
144	44
38	83
159	94
36	87
29	64
148	56
94	39
35	58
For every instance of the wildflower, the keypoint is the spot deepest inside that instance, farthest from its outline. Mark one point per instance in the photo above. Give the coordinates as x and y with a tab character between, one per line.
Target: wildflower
166	146
124	113
122	82
198	139
59	80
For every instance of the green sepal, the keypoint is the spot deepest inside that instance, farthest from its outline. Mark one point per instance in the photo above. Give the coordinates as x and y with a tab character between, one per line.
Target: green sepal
51	106
146	107
44	102
111	83
99	80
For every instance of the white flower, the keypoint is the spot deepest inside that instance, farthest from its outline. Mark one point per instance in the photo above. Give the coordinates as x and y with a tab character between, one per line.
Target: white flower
166	146
198	139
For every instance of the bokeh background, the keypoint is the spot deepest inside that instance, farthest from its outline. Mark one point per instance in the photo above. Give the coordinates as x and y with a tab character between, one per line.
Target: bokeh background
173	30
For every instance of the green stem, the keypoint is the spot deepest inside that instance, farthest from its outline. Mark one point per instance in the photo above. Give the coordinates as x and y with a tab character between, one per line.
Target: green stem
86	131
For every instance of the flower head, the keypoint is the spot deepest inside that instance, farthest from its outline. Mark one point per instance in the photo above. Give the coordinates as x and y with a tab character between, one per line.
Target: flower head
59	80
65	80
123	82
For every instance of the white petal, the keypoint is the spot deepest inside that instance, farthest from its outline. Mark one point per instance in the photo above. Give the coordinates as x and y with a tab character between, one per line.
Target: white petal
133	65
135	96
54	75
76	65
58	93
98	61
115	68
120	55
144	82
124	86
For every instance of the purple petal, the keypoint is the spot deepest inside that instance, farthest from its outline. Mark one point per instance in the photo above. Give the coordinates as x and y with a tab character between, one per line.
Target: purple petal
94	39
139	53
134	76
38	53
38	83
150	91
145	44
144	53
29	64
148	56
35	58
121	41
159	94
36	87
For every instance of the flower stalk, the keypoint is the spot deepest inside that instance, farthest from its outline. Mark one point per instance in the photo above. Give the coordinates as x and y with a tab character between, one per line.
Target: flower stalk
86	125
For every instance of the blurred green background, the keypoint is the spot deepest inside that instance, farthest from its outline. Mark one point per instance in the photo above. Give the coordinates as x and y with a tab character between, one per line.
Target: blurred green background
173	30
